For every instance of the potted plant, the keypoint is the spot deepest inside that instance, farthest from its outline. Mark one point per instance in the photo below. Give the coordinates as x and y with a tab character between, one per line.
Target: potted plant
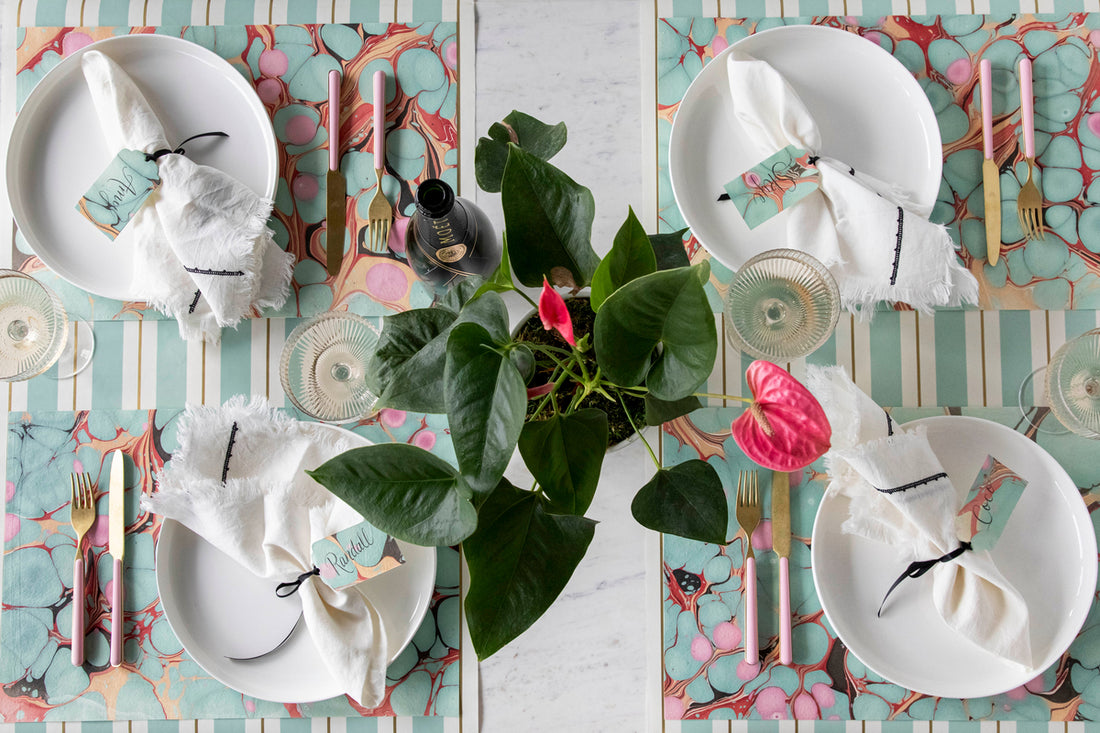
652	344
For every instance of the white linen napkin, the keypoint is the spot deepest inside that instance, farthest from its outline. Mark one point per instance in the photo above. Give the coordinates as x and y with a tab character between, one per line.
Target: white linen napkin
900	495
203	252
238	480
876	241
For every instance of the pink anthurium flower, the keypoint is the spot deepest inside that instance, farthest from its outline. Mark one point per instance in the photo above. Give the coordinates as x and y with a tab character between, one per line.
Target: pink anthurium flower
554	314
533	392
784	428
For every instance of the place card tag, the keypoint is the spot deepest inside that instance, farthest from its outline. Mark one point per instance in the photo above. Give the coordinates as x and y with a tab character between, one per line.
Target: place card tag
773	186
989	504
120	191
355	554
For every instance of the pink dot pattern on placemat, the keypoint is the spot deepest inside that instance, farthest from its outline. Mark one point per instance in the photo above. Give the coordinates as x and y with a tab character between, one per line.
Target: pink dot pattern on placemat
959	71
424	439
273	62
269	90
386	282
306	186
700	648
727	636
300	129
1094	123
74	42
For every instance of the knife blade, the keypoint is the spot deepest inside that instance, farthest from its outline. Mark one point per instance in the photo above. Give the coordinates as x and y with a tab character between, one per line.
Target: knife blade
991	174
781	543
117	546
335	185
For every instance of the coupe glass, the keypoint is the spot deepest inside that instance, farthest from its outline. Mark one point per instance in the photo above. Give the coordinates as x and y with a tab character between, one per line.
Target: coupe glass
324	366
781	305
1073	384
34	331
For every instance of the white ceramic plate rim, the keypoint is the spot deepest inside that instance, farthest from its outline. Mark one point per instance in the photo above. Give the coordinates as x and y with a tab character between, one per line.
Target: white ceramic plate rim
957	680
241	673
730	241
36	114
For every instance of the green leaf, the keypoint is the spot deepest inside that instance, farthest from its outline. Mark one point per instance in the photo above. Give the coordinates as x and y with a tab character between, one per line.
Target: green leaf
658	412
486	405
461	292
403	490
667	308
520	559
564	454
524	360
404	371
501	279
548	217
631	257
669	249
411	355
534	136
686	500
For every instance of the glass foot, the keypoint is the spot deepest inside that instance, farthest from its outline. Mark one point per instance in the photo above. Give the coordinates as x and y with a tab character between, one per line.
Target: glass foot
1048	424
78	350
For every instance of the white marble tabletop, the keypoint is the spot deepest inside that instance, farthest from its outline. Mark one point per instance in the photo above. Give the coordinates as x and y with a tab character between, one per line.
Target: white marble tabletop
582	666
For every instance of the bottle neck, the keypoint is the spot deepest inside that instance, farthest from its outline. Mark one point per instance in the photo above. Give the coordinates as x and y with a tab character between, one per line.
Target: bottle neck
434	198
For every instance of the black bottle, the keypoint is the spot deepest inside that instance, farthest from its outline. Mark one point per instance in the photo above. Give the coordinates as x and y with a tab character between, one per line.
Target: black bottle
449	238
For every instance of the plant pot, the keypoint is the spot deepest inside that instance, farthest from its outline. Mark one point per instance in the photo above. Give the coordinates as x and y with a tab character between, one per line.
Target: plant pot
620	431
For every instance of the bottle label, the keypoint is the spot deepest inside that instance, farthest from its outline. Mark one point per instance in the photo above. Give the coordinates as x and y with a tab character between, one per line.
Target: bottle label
452	253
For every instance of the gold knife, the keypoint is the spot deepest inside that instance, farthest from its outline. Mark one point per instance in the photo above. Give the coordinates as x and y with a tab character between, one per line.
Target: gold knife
117	546
991	174
335	185
781	543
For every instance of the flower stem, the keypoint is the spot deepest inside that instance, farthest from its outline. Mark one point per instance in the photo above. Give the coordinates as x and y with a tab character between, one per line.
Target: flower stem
527	298
723	396
645	442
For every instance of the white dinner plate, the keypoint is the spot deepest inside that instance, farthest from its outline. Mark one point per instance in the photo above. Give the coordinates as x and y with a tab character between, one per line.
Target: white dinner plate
207	598
1047	552
870	110
57	149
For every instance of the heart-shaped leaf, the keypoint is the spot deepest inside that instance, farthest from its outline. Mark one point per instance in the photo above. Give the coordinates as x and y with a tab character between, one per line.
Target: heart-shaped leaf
486	405
534	136
411	353
631	257
670	308
658	412
520	559
564	454
686	500
669	250
404	491
548	217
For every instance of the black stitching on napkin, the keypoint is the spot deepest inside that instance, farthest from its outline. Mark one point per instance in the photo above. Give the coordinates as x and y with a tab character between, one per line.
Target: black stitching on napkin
229	451
897	245
889	423
913	485
195	302
226	273
920	567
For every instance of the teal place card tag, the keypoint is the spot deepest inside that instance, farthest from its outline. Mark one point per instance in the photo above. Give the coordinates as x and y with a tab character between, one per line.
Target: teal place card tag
773	186
120	191
989	504
355	554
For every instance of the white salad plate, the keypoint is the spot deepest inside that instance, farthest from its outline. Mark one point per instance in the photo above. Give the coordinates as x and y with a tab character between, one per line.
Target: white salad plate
224	615
871	111
57	149
1047	552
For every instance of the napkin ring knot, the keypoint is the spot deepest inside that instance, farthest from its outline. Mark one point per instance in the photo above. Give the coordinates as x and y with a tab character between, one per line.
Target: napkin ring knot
157	154
920	567
291	587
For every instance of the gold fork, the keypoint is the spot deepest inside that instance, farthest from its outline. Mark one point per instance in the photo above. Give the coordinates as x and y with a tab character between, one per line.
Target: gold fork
82	515
380	213
1029	203
748	516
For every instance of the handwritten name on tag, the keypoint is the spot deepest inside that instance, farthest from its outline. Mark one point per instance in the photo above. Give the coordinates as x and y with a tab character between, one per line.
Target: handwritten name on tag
773	186
988	505
111	202
355	554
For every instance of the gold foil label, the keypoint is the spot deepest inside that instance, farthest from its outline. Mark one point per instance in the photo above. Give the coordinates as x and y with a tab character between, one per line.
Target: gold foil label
450	254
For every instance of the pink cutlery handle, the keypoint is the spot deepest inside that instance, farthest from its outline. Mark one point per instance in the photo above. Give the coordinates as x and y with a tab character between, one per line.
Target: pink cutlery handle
116	616
785	653
986	83
379	119
333	120
1027	107
78	612
752	648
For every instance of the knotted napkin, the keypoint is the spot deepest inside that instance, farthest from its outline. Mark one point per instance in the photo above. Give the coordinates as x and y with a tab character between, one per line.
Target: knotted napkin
203	253
876	241
238	480
900	495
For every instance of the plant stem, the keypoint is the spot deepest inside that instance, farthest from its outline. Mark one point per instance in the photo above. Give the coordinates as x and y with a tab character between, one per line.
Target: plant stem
645	442
527	298
723	396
